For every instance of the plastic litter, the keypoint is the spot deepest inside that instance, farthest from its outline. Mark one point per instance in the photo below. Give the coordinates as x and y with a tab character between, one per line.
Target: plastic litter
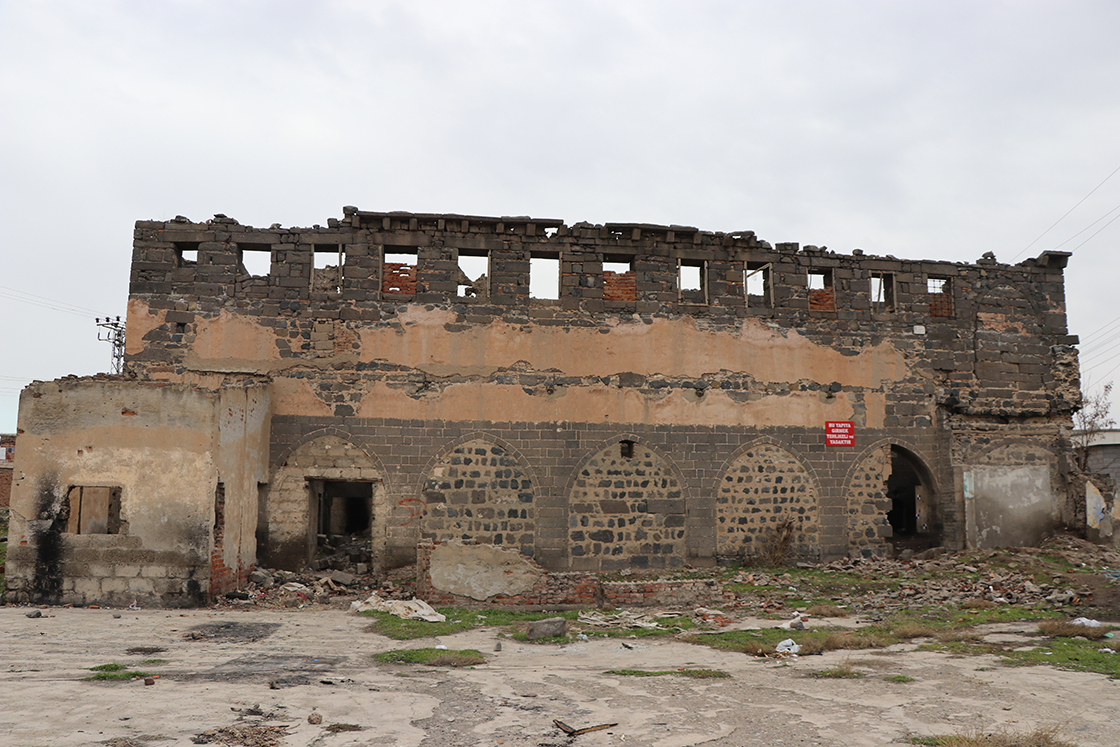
788	646
1105	651
1085	622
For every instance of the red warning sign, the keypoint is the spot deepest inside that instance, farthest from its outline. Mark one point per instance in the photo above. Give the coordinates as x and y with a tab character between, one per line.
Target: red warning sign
839	433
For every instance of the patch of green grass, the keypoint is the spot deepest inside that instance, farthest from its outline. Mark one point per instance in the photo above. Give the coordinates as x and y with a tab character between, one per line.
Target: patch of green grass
900	678
1066	653
108	668
115	675
458	620
433	657
154	661
843	671
696	674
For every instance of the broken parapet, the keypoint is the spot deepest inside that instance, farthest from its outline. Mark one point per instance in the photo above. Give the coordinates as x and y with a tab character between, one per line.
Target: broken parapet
454	573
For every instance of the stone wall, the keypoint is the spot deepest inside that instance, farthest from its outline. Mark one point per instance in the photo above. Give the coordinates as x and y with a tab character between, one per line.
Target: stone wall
635	420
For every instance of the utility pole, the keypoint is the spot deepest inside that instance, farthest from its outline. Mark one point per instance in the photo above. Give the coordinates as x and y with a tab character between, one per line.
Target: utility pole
113	333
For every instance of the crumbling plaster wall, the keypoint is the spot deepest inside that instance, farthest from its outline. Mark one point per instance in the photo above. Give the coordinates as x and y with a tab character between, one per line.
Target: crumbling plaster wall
163	446
407	370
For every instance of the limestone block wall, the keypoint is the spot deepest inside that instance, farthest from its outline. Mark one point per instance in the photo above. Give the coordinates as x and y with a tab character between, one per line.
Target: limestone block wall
159	447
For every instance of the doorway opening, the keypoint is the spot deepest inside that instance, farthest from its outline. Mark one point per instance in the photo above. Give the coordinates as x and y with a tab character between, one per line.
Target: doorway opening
912	516
341	521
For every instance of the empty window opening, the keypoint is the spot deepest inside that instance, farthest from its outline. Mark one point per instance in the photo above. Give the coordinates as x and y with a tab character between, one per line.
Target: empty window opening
473	277
940	297
186	252
94	510
544	277
256	259
821	297
911	516
398	274
756	282
882	291
626	449
345	508
327	262
619	283
690	282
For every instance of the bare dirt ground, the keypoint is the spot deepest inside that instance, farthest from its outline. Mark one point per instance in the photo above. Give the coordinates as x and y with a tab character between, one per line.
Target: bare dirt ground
271	669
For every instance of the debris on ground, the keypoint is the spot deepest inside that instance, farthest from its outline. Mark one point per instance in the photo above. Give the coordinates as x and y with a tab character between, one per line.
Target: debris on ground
573	732
412	609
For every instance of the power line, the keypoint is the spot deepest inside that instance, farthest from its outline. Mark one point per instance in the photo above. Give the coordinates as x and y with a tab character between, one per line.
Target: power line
44	302
1059	220
1106	225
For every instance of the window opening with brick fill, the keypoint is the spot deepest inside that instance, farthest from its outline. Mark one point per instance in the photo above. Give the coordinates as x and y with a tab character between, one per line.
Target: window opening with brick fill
619	283
940	297
821	297
398	274
93	510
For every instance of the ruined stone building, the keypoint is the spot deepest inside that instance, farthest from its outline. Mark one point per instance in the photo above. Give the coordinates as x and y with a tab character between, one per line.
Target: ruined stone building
683	398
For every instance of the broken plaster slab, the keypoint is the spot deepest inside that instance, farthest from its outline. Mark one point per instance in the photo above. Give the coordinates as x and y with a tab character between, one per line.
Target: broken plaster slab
481	571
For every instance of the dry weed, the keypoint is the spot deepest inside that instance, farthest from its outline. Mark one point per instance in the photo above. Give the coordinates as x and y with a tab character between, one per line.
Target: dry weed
959	634
1040	737
827	610
781	539
1061	629
907	631
977	603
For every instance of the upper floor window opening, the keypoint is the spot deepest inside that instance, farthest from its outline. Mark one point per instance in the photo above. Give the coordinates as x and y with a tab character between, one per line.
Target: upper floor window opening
544	276
882	291
821	297
474	274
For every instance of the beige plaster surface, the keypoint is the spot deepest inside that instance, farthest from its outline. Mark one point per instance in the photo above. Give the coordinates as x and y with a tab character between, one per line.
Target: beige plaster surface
322	659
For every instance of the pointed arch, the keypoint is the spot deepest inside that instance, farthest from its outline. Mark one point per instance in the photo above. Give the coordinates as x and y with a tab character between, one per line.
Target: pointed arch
627	508
891	500
324	468
480	488
763	489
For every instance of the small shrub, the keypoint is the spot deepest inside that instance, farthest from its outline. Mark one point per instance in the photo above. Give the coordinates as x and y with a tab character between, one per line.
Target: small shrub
900	678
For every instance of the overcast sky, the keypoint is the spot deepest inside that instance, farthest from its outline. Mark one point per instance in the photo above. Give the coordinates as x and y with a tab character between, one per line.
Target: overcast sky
919	129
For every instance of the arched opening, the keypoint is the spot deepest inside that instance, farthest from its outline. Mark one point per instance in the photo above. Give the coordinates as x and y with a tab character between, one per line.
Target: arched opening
912	516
